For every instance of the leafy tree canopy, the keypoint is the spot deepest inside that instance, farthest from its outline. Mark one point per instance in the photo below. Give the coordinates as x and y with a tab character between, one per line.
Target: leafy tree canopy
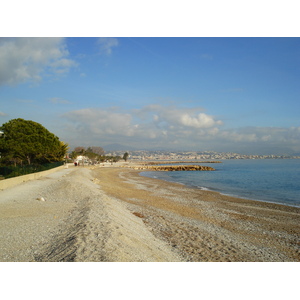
29	142
91	152
125	156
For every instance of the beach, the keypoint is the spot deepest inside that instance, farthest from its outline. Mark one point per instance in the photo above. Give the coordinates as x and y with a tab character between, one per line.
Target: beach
113	214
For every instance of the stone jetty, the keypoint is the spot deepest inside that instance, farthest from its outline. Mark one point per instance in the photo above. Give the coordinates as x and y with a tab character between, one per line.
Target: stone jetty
173	168
183	162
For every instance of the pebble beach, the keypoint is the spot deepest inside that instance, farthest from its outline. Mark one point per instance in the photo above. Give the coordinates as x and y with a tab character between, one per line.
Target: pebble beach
112	214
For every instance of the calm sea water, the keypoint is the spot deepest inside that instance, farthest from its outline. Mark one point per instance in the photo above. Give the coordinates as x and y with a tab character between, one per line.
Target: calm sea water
271	180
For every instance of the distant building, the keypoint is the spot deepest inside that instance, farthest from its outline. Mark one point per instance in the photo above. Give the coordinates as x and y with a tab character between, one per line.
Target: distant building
82	159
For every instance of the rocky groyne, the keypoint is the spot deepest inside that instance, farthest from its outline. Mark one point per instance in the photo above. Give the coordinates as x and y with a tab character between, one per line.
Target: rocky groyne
183	162
173	168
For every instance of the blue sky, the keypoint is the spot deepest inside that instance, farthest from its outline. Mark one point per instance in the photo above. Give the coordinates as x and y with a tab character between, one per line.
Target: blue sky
222	94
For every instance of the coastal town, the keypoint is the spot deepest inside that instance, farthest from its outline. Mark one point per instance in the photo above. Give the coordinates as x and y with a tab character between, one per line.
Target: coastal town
190	155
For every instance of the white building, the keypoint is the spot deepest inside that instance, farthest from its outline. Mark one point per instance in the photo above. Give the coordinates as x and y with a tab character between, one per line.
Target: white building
82	159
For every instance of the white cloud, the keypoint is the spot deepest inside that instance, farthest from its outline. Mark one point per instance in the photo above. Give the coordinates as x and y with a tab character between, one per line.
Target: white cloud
101	122
25	59
184	117
269	139
234	136
199	121
106	44
2	114
153	122
62	65
169	126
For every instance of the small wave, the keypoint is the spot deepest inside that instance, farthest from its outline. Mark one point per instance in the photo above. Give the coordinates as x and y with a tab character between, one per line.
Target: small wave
203	188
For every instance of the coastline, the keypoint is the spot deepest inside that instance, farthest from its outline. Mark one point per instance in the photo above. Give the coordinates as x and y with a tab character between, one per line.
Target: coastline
113	214
205	225
224	193
272	181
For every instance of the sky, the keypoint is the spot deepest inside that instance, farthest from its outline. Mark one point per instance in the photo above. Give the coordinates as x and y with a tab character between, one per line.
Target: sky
225	94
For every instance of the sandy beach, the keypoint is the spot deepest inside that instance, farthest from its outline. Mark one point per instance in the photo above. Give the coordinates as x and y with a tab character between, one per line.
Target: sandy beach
112	214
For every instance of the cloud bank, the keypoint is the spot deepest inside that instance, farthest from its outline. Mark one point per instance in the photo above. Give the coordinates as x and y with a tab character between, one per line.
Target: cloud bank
26	59
170	127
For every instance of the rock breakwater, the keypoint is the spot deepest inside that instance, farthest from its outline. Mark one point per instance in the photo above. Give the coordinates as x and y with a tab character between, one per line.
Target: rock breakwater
183	162
174	168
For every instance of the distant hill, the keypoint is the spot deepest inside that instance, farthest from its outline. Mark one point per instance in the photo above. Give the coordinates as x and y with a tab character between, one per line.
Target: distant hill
117	147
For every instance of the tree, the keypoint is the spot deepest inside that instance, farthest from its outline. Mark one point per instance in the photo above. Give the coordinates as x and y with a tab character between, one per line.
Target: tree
79	149
125	156
29	142
74	155
116	158
93	153
97	150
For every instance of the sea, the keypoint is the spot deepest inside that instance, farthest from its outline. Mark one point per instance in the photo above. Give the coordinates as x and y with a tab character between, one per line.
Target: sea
268	180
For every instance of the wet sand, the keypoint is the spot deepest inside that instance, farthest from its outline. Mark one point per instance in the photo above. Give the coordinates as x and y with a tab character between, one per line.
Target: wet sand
203	225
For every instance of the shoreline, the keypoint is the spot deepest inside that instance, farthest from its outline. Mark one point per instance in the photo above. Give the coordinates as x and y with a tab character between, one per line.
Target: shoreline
204	189
113	214
220	192
206	225
272	190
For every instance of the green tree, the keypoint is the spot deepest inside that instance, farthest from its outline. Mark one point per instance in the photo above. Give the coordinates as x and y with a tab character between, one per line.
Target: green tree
74	155
116	158
93	153
29	142
125	156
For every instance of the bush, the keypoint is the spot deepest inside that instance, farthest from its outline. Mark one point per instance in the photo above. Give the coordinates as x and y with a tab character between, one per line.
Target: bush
12	171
